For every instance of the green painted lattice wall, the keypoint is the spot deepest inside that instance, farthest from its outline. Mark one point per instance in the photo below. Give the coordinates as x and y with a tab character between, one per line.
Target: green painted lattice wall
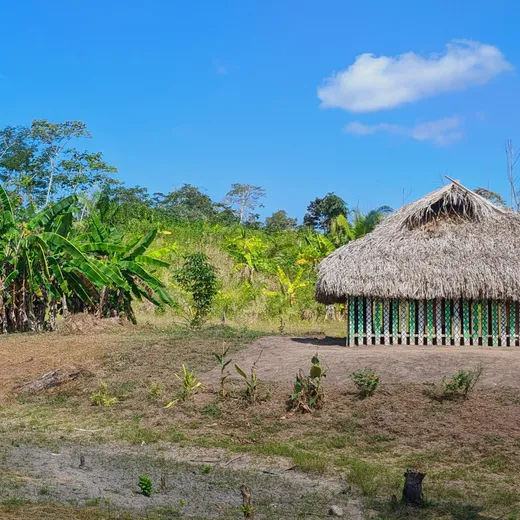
432	322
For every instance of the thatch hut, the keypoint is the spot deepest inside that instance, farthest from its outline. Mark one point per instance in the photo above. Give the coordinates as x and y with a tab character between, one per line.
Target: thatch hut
442	270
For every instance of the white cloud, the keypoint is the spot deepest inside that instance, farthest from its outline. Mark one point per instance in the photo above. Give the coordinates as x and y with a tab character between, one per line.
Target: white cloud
441	132
374	83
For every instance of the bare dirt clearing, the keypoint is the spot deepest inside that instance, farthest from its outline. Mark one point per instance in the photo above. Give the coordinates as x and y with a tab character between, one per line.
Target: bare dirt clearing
280	357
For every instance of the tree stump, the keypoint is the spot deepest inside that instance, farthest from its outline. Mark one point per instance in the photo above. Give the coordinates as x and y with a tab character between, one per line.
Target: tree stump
247	502
412	492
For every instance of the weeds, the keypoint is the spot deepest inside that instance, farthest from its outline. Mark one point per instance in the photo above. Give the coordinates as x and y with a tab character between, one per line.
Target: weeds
145	485
366	381
155	390
190	384
308	392
102	396
223	362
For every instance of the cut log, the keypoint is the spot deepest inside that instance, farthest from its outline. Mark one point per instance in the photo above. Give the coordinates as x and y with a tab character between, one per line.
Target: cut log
412	492
49	380
247	502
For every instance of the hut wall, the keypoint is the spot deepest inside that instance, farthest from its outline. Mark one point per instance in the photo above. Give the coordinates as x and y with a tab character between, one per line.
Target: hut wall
376	321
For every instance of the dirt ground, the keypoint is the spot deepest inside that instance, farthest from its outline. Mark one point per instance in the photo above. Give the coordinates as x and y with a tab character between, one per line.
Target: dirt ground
279	358
188	482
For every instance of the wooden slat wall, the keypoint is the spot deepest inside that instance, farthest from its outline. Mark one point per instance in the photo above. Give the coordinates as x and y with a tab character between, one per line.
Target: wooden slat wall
433	322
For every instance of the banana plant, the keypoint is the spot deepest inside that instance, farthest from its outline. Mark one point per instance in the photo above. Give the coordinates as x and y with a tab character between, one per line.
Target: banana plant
289	287
317	247
45	267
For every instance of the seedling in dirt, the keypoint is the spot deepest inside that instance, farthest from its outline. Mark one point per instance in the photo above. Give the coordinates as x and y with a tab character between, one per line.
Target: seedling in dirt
223	362
190	384
308	391
146	486
102	396
366	380
251	382
206	468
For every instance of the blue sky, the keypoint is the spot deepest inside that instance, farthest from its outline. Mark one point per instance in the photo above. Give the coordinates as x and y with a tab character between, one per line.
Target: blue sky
274	93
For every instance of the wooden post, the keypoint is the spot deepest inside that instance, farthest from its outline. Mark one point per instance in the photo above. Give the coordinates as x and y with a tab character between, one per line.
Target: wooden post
247	502
412	492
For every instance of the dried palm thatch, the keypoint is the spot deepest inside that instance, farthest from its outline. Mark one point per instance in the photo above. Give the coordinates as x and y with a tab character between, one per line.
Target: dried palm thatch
450	244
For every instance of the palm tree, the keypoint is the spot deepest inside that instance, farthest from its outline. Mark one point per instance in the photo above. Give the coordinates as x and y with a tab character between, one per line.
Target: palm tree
342	231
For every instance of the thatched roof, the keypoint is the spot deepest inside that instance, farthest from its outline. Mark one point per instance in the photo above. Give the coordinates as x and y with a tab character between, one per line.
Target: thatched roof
452	243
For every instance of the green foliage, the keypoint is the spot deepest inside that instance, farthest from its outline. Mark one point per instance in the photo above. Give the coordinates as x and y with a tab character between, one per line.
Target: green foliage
280	221
251	381
308	391
145	485
321	211
198	277
223	362
366	381
102	396
190	384
342	230
459	385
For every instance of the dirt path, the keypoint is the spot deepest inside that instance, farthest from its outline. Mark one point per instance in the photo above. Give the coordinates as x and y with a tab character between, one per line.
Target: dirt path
281	357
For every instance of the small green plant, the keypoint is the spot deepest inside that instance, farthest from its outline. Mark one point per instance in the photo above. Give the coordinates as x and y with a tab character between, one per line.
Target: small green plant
198	277
145	485
366	381
223	362
206	468
102	396
155	390
458	385
190	384
308	391
251	381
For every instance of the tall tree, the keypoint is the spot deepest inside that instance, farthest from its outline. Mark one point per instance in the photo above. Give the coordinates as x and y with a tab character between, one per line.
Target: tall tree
280	221
185	203
39	163
245	198
321	211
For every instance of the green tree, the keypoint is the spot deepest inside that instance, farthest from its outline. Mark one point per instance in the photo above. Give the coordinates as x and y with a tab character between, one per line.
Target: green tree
39	163
343	230
198	277
280	221
186	203
245	198
321	211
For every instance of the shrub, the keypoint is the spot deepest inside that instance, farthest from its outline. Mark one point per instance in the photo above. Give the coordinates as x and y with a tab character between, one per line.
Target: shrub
198	277
459	385
366	381
145	484
308	392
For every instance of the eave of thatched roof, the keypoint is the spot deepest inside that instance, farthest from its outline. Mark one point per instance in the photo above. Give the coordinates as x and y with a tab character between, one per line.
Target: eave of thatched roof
452	243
